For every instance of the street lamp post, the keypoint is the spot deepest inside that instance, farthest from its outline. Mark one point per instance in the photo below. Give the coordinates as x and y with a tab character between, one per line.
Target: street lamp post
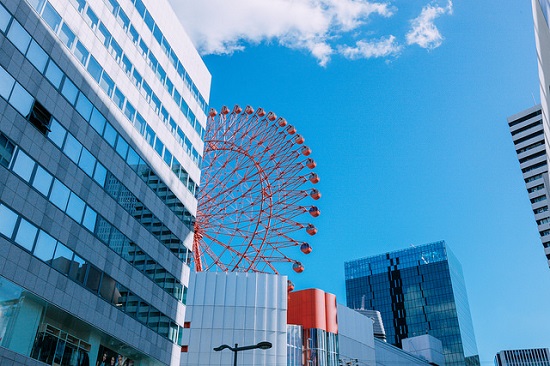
261	345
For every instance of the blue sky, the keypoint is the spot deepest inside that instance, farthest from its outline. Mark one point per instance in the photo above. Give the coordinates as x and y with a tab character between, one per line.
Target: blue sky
412	146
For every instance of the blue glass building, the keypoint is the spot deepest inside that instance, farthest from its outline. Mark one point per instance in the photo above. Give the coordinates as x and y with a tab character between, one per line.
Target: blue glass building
418	291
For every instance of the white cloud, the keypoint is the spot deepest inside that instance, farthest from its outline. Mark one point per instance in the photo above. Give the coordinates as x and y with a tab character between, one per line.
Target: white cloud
424	32
223	27
363	49
315	26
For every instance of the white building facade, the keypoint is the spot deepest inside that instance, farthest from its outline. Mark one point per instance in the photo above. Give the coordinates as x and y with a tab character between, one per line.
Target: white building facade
102	115
235	309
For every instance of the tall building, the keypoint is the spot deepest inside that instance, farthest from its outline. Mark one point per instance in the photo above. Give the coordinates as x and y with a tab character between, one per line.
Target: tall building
523	357
527	129
418	291
102	113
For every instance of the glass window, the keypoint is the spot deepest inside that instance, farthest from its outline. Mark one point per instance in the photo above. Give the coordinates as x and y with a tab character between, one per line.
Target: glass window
104	35
45	247
6	83
37	4
72	148
115	50
67	36
149	135
23	166
167	157
54	74
37	56
158	35
129	111
62	258
60	195
19	36
126	65
118	98
136	77
107	84
51	17
107	288
57	133
6	150
4	19
100	174
143	47
123	19
133	158
84	106
122	147
90	217
21	100
94	277
140	124
149	21
97	121
81	53
159	146
8	218
91	18
110	134
134	34
26	233
87	162
75	208
78	269
42	181
78	4
94	68
69	91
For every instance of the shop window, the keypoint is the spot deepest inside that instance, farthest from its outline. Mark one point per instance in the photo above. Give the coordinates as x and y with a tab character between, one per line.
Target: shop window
40	117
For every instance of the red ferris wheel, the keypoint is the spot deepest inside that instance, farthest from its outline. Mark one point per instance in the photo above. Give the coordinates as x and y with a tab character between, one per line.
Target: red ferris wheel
256	182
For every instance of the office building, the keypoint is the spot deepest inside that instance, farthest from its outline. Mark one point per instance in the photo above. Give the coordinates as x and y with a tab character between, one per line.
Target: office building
102	114
523	357
527	129
418	291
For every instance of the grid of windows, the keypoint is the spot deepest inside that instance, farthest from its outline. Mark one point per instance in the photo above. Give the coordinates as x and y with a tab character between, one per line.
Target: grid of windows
107	84
23	102
76	208
57	255
415	292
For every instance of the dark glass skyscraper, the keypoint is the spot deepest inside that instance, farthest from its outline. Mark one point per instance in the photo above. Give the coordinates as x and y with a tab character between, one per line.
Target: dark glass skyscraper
417	290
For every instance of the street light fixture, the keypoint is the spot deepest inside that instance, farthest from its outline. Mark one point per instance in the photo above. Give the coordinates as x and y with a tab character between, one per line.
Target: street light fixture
261	345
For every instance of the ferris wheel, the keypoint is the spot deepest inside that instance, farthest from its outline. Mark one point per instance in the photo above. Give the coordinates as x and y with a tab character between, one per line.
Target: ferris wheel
256	194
